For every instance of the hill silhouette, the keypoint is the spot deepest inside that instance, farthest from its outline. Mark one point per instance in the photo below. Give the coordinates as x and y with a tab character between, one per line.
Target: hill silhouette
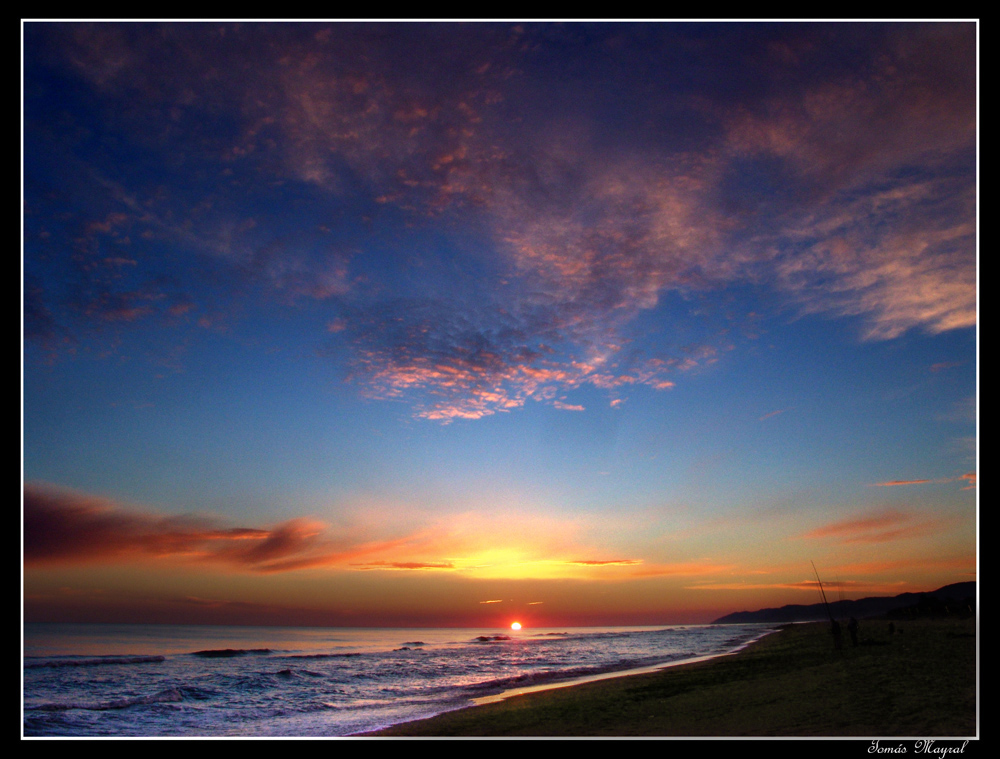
957	598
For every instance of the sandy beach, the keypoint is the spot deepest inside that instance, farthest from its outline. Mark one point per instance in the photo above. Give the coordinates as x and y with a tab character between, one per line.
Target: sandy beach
919	681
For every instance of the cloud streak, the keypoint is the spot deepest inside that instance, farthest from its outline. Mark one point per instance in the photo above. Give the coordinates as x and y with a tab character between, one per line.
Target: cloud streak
969	478
66	528
405	565
881	528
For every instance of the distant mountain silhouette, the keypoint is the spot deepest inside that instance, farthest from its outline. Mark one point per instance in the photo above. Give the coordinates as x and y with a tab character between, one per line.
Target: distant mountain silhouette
960	596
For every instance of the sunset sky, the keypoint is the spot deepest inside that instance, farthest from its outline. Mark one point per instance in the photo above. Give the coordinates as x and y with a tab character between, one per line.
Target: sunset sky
444	324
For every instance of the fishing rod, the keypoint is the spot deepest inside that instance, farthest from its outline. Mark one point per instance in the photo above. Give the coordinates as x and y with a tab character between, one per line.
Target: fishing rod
822	592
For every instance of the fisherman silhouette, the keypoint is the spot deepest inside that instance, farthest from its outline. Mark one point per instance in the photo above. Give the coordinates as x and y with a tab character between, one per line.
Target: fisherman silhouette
852	628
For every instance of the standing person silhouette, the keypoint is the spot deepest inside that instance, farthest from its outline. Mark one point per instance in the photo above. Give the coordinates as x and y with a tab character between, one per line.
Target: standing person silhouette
852	628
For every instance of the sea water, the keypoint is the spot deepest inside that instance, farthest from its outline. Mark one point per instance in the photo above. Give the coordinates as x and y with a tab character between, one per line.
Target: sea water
203	681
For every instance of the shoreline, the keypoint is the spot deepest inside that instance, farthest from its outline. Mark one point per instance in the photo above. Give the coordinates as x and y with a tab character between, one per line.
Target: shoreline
583	680
790	682
525	690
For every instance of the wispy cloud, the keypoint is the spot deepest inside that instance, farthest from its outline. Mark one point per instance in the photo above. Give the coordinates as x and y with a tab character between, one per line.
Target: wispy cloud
405	565
684	569
969	478
944	365
848	586
880	528
773	413
899	566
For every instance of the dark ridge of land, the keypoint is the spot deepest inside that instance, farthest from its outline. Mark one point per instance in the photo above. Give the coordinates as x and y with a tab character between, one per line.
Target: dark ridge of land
919	681
951	599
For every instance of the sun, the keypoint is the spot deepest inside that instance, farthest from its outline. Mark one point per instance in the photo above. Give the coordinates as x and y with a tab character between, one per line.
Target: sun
515	626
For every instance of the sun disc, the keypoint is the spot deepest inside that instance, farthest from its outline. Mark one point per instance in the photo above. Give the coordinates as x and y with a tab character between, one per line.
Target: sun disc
515	626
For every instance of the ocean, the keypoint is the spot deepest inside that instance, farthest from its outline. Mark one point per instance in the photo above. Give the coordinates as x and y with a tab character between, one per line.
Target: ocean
201	681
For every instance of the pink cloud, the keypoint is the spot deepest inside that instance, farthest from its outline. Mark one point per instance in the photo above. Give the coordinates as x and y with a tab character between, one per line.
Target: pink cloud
407	565
474	363
943	365
907	565
773	413
853	586
969	477
882	528
471	386
683	569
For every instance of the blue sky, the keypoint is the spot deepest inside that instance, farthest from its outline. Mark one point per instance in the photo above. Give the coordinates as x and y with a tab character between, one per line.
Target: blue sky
425	312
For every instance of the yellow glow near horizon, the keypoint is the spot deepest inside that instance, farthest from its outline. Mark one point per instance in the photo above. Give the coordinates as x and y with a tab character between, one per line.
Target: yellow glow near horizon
515	626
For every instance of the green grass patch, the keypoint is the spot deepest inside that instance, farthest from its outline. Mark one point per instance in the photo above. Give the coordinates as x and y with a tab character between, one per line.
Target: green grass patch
918	683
